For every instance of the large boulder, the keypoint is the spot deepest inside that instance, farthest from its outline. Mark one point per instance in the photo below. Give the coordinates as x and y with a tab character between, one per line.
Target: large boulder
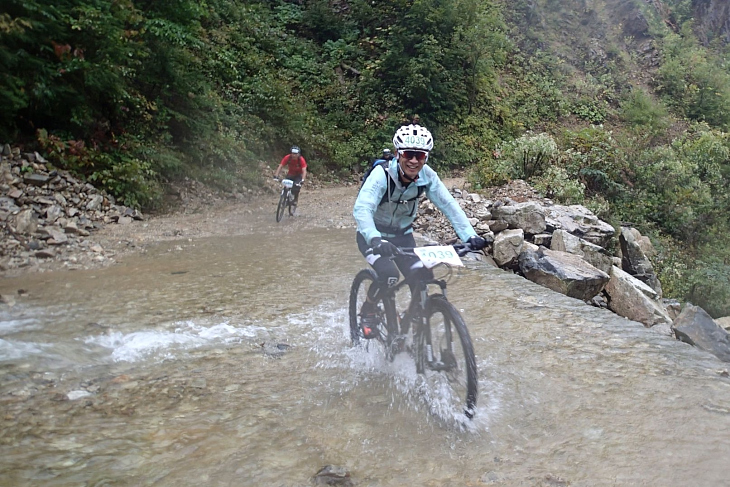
507	246
529	216
724	322
632	299
562	272
634	260
593	254
579	221
696	327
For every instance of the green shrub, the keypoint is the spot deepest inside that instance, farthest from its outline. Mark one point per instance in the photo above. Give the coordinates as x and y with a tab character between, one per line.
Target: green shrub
527	156
555	183
639	110
694	81
709	286
595	158
117	169
700	276
682	187
488	173
593	111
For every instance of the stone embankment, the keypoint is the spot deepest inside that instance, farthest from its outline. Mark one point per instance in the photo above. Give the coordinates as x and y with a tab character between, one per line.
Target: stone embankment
571	251
47	214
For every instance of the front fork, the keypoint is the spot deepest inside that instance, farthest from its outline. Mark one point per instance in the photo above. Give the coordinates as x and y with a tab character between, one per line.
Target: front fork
422	333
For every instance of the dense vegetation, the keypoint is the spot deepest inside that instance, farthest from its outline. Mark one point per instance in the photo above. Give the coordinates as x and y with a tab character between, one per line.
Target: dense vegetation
621	105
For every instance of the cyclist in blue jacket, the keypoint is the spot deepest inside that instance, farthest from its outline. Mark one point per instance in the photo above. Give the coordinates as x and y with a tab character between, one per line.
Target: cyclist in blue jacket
387	205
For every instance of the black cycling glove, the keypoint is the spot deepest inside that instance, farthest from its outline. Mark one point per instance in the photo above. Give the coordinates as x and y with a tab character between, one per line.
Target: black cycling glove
384	248
477	243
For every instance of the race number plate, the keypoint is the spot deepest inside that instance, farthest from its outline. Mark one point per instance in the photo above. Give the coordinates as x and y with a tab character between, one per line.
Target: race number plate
430	256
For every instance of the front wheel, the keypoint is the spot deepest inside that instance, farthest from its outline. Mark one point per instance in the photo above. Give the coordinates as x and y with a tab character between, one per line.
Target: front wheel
446	354
385	314
282	204
291	204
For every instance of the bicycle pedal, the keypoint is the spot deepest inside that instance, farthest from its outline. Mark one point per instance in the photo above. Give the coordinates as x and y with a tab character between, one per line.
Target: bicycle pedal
370	332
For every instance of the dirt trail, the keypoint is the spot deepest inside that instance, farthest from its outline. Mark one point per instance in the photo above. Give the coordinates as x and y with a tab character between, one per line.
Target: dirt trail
207	214
320	206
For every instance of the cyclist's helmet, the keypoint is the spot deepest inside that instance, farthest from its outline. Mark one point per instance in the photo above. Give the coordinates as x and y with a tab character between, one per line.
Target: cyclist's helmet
413	137
387	153
295	149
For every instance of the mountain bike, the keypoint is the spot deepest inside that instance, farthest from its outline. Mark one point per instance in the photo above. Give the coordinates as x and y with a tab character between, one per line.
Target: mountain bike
286	199
440	341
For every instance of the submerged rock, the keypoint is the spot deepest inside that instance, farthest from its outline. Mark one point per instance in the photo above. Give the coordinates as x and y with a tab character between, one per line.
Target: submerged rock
333	475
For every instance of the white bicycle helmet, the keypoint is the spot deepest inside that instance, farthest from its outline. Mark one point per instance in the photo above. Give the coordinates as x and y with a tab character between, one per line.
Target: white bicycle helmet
413	137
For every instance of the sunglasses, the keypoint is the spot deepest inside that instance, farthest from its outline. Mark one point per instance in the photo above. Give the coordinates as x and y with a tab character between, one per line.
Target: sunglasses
410	154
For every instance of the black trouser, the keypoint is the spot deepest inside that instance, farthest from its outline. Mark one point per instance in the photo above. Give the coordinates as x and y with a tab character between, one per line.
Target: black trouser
387	269
296	179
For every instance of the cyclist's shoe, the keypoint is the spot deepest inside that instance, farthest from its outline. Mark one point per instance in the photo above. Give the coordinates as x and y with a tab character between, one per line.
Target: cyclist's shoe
369	321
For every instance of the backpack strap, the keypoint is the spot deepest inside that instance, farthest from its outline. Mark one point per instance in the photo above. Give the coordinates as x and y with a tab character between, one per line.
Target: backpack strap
391	188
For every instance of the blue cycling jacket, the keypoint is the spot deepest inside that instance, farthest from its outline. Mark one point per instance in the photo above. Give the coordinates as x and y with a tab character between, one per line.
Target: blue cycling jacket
395	215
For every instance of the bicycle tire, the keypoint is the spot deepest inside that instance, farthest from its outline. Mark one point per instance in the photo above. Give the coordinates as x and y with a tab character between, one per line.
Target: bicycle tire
358	292
453	359
281	205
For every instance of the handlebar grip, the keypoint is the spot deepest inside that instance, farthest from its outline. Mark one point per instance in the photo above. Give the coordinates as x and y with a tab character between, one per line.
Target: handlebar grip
398	251
463	249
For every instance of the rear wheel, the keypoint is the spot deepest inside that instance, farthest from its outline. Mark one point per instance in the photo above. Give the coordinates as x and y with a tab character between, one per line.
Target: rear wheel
446	354
386	313
281	205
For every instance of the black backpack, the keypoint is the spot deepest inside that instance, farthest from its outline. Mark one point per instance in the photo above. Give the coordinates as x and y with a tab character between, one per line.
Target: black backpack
376	163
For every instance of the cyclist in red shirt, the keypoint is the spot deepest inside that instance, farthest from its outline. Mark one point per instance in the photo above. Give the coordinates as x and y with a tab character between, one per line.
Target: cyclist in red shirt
297	170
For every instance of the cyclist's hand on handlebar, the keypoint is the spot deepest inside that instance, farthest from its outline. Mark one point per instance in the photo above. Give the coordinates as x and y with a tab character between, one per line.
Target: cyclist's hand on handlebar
383	247
476	242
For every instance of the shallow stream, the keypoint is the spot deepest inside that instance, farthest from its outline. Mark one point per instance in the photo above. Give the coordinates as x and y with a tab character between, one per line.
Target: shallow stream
226	361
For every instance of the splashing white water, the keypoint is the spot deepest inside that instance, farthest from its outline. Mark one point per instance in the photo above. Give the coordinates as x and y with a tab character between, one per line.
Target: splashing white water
330	340
162	344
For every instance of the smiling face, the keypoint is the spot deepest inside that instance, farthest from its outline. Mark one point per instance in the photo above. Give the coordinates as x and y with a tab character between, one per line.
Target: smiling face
411	162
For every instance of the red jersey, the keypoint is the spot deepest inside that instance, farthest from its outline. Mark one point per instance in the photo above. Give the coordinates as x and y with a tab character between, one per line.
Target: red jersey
295	167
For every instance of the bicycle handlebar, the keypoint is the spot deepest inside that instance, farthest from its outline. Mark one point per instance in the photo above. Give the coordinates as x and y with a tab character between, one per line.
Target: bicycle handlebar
461	250
296	184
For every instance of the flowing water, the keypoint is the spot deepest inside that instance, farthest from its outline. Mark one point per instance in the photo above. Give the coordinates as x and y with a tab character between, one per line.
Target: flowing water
226	361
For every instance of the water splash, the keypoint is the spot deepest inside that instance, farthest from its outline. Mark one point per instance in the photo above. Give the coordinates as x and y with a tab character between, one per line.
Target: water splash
163	344
330	340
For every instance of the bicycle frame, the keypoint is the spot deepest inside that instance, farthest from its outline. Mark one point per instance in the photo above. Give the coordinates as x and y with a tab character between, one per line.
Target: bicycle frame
417	303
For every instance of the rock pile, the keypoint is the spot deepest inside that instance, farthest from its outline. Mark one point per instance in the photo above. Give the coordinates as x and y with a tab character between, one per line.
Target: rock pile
567	249
47	214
